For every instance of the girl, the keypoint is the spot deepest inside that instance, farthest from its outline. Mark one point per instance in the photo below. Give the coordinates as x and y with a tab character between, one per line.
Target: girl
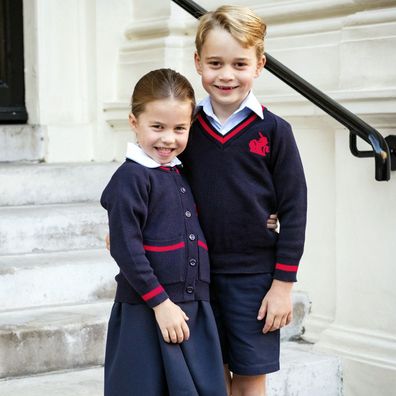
162	337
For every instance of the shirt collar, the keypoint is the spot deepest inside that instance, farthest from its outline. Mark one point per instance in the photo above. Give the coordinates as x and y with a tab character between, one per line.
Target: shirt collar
250	103
135	153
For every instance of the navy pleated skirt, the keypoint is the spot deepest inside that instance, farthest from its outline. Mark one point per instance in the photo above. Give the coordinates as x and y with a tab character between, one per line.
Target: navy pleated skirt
139	362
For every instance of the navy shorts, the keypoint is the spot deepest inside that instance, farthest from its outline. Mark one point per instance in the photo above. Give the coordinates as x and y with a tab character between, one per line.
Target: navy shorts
236	299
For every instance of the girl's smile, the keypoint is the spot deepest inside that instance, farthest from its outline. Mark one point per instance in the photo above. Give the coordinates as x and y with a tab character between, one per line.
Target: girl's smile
162	129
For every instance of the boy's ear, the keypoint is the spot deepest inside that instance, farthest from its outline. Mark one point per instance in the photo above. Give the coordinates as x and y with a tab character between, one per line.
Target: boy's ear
197	61
132	121
260	65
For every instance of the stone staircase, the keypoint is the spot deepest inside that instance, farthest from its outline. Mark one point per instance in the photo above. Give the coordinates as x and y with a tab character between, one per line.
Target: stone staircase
56	290
56	278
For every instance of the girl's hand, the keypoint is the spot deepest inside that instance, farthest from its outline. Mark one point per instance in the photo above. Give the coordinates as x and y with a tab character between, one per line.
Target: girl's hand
272	222
107	241
277	306
171	320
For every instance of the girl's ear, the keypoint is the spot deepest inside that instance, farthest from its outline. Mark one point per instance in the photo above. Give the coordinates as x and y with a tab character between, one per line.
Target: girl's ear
197	61
132	121
260	65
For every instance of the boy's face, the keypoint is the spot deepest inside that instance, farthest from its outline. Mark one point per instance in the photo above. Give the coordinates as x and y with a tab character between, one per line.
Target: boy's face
227	70
162	129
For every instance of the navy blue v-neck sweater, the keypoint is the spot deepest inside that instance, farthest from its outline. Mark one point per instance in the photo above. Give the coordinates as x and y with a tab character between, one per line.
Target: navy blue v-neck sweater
238	180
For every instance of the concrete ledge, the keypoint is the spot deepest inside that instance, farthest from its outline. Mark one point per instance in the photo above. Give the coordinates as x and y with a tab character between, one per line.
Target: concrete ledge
34	229
59	337
22	143
303	373
56	278
87	382
301	308
56	338
29	184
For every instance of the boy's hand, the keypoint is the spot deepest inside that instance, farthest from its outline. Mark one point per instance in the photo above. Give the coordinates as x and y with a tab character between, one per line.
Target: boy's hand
277	306
272	222
171	320
107	241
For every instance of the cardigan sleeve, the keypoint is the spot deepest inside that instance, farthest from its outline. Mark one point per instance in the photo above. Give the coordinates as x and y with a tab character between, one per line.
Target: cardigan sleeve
126	200
291	193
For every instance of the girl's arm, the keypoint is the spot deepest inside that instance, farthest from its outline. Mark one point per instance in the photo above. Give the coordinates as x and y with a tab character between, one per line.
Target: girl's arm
126	201
171	320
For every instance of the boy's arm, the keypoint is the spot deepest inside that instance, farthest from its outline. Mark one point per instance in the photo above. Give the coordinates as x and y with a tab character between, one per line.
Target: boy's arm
277	307
291	192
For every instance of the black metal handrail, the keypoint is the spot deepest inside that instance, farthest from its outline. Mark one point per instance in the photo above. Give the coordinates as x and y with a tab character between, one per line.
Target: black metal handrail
385	158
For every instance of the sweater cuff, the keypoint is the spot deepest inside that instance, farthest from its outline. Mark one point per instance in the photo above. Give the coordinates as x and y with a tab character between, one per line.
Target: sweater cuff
286	272
155	296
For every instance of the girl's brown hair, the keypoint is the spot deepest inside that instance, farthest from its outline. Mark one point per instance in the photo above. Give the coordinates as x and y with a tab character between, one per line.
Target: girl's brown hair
161	84
242	23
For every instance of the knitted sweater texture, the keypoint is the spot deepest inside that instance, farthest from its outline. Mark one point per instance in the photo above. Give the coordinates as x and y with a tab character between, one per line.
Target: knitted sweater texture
238	180
155	236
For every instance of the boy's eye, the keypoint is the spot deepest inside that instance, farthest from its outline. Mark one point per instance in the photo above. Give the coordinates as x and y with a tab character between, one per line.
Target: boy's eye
214	63
240	65
181	129
156	126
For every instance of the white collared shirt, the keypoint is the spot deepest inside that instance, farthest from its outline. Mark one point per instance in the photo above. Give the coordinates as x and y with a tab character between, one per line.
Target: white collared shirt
249	104
135	153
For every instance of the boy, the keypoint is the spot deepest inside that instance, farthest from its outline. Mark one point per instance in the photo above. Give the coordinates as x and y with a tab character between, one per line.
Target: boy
243	164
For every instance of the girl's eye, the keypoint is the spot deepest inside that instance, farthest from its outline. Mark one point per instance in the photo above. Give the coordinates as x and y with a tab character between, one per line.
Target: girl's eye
181	129
156	126
240	65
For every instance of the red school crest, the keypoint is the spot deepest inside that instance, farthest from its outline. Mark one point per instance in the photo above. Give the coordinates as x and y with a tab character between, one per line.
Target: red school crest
259	146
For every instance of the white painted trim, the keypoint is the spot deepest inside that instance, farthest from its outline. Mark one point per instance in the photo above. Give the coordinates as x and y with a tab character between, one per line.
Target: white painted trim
371	347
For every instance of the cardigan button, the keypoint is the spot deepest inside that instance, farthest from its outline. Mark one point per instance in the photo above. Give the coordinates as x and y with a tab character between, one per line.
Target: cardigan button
187	213
182	190
191	237
189	289
193	262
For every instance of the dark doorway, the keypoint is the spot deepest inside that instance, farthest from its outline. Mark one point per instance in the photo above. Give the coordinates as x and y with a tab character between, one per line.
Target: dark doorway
12	79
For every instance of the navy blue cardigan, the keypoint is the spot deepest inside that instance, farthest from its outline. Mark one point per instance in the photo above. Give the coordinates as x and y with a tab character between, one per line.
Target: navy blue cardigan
238	180
155	237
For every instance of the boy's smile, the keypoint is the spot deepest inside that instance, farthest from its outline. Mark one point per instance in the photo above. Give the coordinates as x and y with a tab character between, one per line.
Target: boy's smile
227	70
162	128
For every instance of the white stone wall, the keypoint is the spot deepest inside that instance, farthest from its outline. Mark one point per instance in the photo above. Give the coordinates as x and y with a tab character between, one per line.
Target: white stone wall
84	57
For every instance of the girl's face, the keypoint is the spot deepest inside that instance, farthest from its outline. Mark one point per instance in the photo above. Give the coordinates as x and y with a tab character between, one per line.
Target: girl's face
227	70
162	129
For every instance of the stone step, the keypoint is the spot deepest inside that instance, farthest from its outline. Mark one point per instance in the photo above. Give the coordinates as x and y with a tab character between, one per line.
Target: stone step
40	228
21	142
301	309
56	278
29	184
52	338
303	373
29	337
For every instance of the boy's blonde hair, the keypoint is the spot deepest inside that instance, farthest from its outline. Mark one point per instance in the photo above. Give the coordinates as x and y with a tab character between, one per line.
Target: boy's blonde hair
241	22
